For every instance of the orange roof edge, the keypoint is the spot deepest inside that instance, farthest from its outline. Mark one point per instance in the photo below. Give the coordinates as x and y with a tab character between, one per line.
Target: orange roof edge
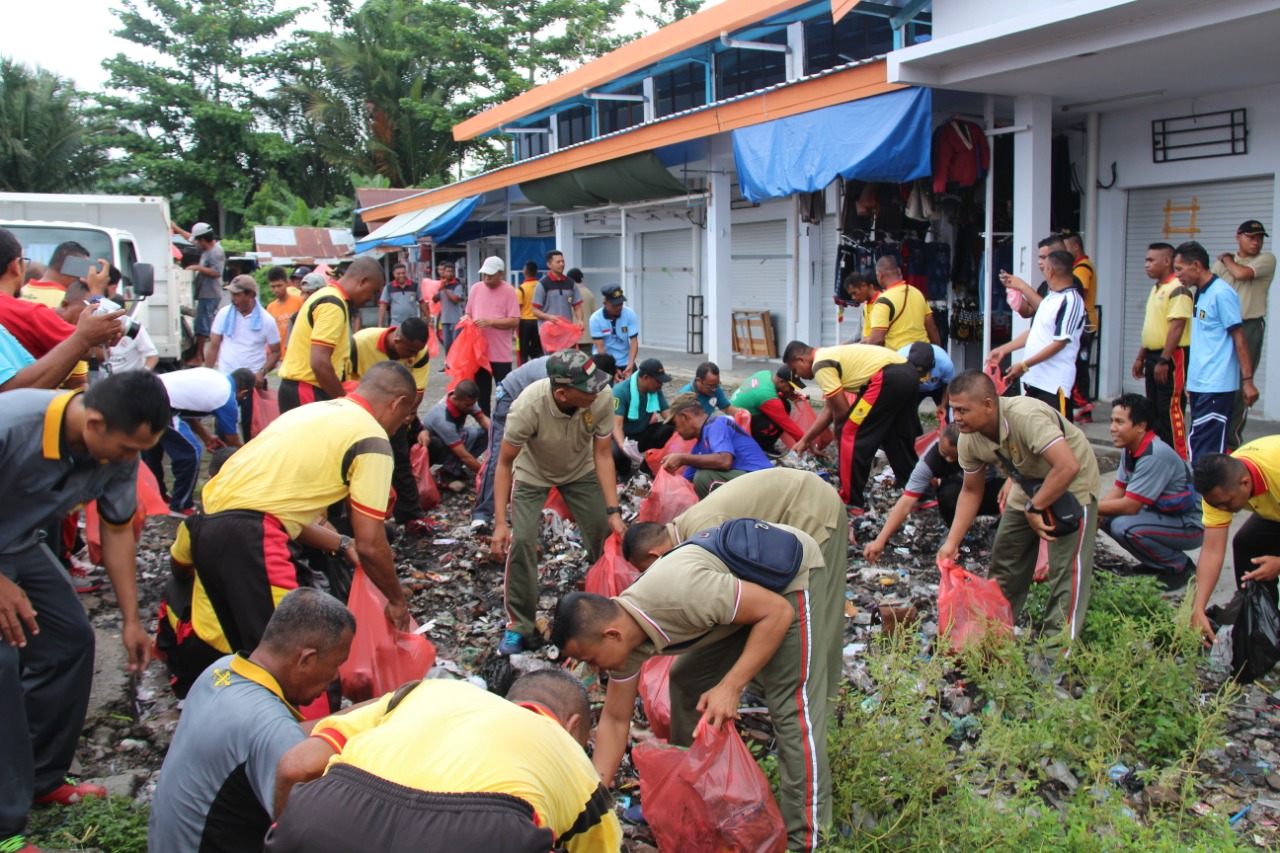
688	32
852	84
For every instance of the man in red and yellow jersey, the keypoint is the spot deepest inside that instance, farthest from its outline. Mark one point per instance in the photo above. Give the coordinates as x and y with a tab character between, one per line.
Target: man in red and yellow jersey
1162	357
446	765
883	414
900	315
1249	479
318	355
1084	273
269	494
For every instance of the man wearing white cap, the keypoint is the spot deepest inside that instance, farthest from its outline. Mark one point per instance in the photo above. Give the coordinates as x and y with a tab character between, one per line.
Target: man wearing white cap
208	284
495	308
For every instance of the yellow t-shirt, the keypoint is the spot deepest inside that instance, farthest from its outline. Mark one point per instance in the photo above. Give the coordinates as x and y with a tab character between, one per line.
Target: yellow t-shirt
47	293
1083	270
306	460
900	310
850	367
1169	300
1262	457
451	737
370	348
525	293
325	319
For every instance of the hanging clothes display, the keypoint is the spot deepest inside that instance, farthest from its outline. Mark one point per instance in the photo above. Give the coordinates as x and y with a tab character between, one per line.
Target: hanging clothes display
961	156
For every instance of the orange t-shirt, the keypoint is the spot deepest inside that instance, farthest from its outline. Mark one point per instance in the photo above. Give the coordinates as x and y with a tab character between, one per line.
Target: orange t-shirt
283	311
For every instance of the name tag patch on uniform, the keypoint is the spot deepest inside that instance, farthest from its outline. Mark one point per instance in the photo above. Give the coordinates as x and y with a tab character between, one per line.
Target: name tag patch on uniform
589	420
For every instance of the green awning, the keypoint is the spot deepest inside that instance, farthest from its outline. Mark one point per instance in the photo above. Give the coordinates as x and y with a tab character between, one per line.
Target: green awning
638	177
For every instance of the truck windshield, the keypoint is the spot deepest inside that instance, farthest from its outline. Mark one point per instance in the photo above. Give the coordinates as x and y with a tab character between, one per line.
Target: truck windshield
39	241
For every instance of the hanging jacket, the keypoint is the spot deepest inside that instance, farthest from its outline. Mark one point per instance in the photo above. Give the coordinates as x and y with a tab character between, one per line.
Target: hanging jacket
961	156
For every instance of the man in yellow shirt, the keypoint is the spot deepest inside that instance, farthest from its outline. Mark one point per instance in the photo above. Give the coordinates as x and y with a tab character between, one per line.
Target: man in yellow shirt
445	765
319	352
286	303
1162	356
887	392
1249	479
407	344
270	494
900	315
530	341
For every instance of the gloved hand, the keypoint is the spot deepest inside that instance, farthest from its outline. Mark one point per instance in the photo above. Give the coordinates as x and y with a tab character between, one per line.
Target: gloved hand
633	451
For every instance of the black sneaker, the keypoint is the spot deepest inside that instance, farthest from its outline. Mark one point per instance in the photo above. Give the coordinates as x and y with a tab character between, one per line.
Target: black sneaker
1174	581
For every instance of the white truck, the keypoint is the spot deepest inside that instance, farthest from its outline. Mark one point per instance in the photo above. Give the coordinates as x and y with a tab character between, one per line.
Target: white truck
130	231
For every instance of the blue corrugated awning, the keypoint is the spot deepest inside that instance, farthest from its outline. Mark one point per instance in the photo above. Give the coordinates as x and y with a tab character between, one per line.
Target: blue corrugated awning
439	223
883	138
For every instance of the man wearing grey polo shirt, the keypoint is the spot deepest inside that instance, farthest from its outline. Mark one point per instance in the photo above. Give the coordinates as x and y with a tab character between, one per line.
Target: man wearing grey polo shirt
59	450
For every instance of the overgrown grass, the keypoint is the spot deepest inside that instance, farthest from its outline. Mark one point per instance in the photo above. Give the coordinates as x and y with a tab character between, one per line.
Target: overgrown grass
113	825
912	773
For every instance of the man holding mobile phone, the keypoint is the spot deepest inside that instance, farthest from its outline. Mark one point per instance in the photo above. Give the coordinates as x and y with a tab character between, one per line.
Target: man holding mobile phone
69	261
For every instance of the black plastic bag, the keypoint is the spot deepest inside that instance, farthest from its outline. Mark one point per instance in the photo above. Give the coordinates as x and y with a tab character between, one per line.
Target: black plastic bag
1255	641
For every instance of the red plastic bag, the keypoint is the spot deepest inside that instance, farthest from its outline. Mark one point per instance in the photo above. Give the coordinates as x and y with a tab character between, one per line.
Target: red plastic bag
149	503
428	492
266	408
655	693
676	444
670	495
1041	574
612	573
469	353
743	419
710	798
923	442
970	607
149	499
557	336
993	370
555	503
433	344
382	658
804	416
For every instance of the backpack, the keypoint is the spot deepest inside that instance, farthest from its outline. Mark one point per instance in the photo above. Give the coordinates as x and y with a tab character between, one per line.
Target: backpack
754	551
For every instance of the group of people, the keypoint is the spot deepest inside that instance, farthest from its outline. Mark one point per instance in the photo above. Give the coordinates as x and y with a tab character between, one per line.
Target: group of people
249	640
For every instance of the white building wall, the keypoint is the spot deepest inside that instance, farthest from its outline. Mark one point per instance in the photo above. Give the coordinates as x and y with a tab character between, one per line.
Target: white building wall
1126	141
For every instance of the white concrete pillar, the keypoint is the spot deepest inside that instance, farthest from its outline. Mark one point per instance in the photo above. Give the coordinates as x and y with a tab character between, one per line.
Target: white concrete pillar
717	328
811	293
1032	156
566	240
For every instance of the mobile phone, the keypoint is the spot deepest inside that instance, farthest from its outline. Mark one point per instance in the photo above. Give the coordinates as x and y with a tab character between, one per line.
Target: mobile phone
76	267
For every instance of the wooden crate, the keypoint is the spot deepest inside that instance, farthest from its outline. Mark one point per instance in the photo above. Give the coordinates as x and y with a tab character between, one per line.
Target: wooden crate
753	335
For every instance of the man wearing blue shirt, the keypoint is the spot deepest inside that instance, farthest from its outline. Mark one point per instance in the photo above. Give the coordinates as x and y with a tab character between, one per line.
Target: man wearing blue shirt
722	452
615	330
933	380
706	385
1219	364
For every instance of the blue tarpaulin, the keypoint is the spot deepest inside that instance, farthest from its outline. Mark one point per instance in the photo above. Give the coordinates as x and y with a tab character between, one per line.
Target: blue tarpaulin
883	138
439	223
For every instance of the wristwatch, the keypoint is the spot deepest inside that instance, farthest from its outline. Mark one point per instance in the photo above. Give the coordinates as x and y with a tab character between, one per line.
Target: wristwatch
613	510
1030	507
343	544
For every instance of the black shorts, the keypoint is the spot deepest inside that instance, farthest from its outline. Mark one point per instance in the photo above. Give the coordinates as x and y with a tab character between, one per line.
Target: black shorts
349	809
293	394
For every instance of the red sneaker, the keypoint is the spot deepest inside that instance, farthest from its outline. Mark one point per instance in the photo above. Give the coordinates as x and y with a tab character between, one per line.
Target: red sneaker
82	582
68	794
421	528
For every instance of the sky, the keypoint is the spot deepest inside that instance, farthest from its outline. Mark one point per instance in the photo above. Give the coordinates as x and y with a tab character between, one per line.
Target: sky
77	51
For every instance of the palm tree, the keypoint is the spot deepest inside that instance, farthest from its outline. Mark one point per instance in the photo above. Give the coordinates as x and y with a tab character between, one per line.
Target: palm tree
48	143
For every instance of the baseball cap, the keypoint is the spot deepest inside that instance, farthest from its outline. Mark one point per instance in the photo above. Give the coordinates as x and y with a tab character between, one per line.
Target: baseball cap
653	367
921	357
613	295
786	374
575	369
311	282
1252	226
299	272
241	284
201	229
492	265
682	403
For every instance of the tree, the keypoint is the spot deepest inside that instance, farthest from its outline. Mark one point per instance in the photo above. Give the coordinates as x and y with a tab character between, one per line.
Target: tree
48	141
189	124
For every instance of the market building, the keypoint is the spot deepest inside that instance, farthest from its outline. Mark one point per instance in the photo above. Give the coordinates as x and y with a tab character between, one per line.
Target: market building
746	157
